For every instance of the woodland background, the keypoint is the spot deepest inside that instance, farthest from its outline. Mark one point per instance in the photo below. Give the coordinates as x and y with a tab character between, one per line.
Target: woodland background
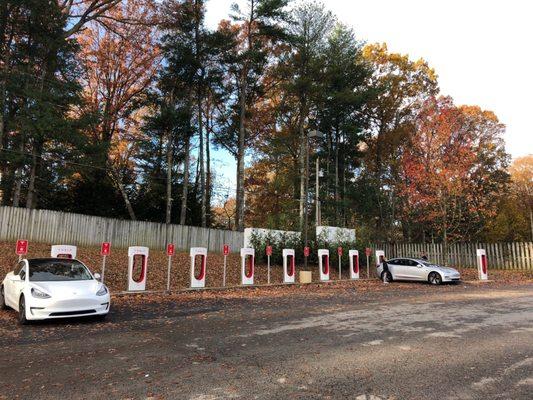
115	107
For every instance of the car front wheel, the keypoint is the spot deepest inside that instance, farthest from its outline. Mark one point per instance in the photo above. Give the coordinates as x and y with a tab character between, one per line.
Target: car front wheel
3	305
389	276
22	311
435	278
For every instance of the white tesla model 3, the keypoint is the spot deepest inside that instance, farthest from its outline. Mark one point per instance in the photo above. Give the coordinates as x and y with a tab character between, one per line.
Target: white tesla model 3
43	288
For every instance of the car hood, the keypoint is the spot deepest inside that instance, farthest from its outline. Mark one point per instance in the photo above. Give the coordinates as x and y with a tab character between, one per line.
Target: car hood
70	288
447	270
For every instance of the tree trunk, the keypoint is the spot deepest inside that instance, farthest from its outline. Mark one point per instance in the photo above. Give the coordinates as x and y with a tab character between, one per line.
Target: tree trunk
208	183
240	155
31	199
301	159
199	84
531	222
168	217
185	189
118	181
337	198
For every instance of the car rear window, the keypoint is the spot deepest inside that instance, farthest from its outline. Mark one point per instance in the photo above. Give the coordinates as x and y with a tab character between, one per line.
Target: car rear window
48	270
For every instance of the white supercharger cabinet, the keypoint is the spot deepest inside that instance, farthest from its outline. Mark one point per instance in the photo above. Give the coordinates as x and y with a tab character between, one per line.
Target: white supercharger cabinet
323	264
137	284
482	266
354	264
289	266
247	257
198	280
380	256
64	251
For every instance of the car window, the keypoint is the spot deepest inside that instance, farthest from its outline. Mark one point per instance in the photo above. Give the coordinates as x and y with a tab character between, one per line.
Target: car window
54	269
19	267
412	263
393	261
400	261
22	274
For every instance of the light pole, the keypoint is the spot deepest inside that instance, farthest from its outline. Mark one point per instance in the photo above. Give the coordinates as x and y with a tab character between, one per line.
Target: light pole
318	135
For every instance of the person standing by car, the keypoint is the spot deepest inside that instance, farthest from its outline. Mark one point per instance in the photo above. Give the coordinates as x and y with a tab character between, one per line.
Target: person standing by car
424	256
385	270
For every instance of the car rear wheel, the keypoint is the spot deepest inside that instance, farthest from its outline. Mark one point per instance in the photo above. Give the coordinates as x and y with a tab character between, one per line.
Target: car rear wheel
435	278
22	311
3	305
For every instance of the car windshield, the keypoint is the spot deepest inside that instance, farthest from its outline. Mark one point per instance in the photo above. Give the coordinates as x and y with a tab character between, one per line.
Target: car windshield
53	269
427	263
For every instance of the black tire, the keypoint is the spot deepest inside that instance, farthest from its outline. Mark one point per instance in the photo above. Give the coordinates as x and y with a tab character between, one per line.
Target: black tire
434	278
22	311
3	305
389	276
100	318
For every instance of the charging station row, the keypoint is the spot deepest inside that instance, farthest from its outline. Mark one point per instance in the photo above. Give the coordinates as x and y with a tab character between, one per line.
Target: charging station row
138	265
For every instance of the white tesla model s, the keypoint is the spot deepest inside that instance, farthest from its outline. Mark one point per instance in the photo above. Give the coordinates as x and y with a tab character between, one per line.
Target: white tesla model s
43	288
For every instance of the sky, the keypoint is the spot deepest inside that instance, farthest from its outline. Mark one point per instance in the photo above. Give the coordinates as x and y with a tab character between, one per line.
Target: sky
480	49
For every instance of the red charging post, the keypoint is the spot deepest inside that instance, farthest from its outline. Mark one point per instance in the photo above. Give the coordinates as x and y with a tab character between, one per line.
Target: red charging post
368	252
105	250
22	248
268	253
170	253
226	253
339	253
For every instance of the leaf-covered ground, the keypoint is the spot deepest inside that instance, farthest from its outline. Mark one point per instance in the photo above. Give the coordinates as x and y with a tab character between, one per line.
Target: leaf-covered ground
117	262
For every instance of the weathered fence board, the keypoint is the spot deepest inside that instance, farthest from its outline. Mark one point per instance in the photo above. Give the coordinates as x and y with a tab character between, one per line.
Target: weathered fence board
65	228
499	255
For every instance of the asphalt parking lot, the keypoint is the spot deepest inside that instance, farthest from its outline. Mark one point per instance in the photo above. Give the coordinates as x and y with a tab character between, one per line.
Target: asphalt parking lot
405	341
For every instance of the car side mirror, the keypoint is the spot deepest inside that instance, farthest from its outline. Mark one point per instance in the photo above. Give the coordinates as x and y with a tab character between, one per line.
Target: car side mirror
420	266
97	276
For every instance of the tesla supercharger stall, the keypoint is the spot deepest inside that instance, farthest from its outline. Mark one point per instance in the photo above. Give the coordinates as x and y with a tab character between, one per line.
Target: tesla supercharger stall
137	257
198	279
482	269
380	257
247	266
63	251
354	264
323	264
289	266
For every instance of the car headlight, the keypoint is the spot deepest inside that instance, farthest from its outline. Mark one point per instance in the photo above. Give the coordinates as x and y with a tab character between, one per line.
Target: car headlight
102	291
39	294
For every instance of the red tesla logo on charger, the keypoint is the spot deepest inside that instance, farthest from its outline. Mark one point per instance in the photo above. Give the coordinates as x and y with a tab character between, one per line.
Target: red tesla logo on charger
22	247
226	249
339	251
269	250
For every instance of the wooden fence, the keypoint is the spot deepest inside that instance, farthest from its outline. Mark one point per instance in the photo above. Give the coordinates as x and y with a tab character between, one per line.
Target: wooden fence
517	255
46	226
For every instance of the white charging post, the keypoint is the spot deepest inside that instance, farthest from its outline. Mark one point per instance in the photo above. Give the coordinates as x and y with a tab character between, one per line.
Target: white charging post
339	254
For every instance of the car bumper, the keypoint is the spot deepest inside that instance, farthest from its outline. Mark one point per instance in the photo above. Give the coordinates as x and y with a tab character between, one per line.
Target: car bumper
47	309
451	278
